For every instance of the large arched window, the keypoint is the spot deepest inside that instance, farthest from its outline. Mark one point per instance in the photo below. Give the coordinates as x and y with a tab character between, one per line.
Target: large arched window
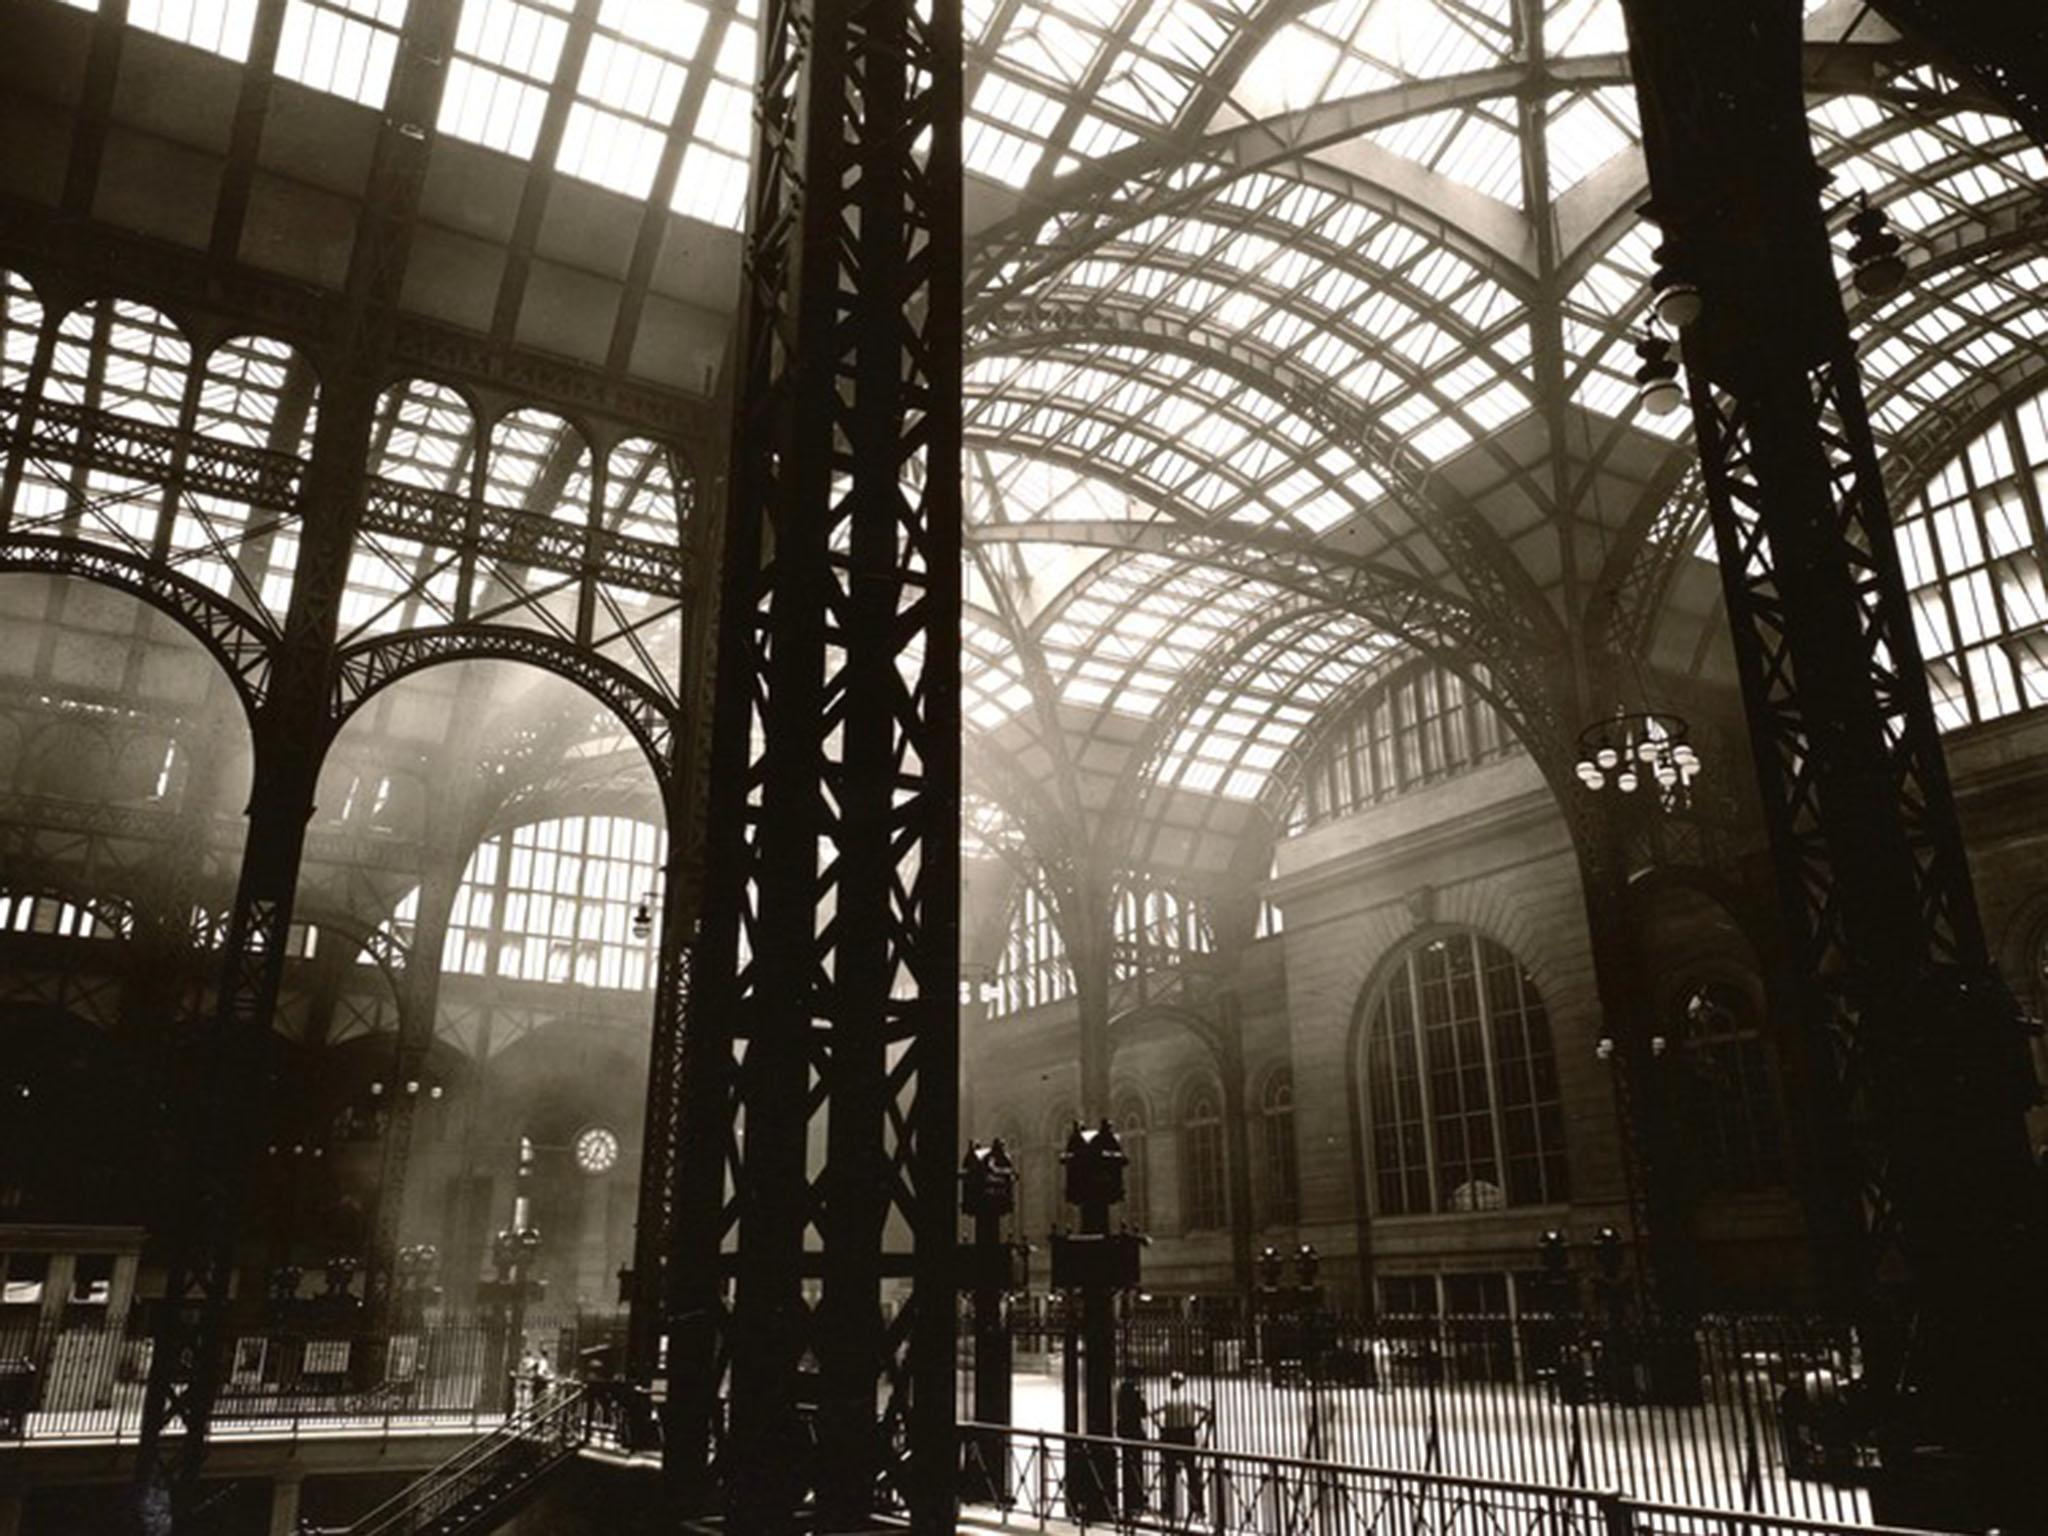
554	901
1283	1176
1975	549
1422	724
1729	1113
1203	1206
1461	1084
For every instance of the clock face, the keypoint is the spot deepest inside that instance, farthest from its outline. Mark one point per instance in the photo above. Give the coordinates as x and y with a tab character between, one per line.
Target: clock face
597	1150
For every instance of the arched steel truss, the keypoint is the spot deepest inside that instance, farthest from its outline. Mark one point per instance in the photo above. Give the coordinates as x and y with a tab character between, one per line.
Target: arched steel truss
244	646
364	669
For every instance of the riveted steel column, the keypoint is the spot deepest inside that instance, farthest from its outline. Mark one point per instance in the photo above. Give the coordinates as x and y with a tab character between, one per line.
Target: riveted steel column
1927	1073
821	1054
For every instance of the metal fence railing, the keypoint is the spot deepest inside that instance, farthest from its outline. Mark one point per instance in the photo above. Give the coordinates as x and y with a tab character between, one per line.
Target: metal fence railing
1034	1478
69	1382
482	1477
1749	1414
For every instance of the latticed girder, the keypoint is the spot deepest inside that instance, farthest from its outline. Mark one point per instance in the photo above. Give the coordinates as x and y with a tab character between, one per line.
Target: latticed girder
822	1010
1920	1042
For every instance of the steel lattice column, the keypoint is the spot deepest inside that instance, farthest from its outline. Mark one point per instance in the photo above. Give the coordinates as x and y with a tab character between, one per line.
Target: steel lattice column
290	735
222	1106
1928	1075
821	1068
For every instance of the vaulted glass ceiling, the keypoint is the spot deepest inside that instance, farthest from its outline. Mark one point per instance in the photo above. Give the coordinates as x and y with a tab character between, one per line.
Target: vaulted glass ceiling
1261	294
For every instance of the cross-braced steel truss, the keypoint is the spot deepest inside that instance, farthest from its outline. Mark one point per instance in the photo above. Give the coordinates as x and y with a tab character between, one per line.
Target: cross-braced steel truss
821	1080
1918	1045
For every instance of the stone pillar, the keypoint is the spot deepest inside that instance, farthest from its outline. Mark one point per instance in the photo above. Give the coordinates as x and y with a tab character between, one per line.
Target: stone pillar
284	1504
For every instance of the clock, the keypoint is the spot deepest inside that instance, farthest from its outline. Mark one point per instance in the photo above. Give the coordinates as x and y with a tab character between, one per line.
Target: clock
597	1150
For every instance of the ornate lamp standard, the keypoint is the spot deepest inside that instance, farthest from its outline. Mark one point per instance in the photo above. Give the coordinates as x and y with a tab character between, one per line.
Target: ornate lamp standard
513	1252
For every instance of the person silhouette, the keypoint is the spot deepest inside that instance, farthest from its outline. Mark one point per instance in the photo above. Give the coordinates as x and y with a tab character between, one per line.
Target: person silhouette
1181	1418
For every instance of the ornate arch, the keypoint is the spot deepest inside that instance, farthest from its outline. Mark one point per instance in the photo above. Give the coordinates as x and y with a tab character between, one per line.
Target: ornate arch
244	647
365	669
1360	1081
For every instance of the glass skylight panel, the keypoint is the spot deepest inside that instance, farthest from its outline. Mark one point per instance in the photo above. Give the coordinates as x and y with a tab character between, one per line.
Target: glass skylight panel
539	463
1044	43
1577	28
506	52
1007	127
218	26
346	47
136	369
243	398
627	93
1468	146
1350	47
713	182
21	321
1583	133
423	435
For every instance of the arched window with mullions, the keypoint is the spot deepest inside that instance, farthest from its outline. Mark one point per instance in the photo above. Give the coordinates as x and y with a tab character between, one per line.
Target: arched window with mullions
1203	1206
1461	1083
1974	547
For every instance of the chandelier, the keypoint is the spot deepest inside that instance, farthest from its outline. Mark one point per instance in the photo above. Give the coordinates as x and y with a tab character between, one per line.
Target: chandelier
1629	748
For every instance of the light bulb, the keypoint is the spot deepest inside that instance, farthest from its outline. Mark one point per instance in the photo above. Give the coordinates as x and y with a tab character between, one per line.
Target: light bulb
1627	782
1597	781
1678	303
1661	397
1606	757
1647	752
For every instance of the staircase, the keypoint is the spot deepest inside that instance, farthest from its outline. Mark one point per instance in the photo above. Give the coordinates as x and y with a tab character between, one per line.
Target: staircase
481	1485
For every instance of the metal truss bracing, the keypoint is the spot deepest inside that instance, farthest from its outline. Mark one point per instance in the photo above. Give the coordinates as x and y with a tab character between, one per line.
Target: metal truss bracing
244	648
822	1034
368	666
2003	47
1921	1047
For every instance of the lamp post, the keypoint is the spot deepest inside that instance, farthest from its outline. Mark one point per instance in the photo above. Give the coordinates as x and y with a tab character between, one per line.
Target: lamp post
1095	1265
990	1269
513	1252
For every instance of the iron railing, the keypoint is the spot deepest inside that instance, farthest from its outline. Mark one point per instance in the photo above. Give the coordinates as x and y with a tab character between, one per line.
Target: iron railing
480	1479
72	1381
1752	1414
1034	1478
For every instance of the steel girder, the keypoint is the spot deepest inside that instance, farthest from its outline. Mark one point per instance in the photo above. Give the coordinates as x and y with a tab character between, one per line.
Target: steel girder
825	988
1476	556
1921	1046
1654	543
2002	46
245	648
219	1137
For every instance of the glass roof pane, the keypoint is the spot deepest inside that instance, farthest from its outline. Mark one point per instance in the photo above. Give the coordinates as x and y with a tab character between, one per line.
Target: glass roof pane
1573	28
218	26
1583	133
346	47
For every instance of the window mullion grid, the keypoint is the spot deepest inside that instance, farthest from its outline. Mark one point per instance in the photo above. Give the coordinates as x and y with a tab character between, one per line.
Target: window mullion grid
2027	473
1944	591
1424	1096
1487	1053
1526	1040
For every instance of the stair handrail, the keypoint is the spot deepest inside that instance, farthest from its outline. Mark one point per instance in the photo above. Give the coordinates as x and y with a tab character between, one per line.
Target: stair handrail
554	1421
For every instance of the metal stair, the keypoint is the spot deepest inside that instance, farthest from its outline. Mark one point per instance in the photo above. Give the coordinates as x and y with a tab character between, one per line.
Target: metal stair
480	1486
